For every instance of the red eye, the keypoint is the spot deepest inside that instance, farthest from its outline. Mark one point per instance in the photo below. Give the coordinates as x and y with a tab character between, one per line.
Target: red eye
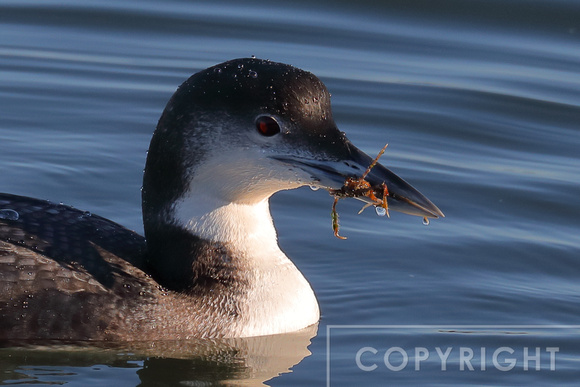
267	126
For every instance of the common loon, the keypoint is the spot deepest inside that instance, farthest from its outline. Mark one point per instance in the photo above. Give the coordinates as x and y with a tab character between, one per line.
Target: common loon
210	265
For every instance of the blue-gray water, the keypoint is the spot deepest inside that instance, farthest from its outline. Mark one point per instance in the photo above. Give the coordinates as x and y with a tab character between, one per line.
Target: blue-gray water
480	104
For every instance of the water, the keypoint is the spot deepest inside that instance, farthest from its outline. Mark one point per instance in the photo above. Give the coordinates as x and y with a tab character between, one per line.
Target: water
381	211
479	104
9	214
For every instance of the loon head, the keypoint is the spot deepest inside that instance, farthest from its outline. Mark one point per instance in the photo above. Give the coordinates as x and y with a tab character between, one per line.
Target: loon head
230	137
242	130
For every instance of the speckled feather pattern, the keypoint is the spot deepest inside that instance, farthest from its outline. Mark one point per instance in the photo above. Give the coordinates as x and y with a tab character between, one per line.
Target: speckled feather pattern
76	276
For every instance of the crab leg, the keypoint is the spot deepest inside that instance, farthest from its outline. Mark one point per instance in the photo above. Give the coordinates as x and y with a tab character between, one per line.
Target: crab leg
385	205
334	216
375	161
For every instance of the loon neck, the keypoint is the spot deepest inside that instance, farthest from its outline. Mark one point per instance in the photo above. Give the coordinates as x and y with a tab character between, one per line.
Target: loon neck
240	261
246	228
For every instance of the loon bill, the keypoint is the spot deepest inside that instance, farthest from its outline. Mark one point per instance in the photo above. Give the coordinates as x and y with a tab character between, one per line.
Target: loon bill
209	266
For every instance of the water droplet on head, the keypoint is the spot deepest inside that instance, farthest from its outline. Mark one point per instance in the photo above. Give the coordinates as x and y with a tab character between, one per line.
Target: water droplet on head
253	74
425	221
85	214
9	214
253	56
217	70
240	66
314	188
381	211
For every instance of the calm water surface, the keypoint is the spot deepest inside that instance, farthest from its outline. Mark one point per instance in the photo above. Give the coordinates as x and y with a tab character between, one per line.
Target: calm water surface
479	103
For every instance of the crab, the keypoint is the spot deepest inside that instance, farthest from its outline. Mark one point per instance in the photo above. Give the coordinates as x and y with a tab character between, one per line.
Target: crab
359	187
